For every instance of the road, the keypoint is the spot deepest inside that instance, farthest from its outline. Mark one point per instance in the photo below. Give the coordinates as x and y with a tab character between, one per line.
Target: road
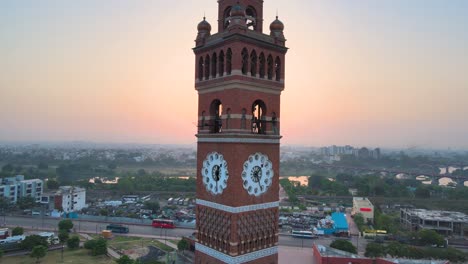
50	224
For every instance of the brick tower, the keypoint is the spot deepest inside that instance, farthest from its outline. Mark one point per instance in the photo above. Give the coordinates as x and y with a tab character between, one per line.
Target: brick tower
239	79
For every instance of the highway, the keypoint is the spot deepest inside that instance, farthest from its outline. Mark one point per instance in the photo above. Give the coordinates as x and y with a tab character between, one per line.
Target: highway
50	224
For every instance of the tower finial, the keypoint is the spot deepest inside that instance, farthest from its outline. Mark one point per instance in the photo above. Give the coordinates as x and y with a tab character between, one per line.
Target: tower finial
204	15
276	13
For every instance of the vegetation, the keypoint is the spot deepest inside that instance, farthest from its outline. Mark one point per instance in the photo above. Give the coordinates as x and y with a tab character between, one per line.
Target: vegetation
79	256
17	231
63	236
97	246
125	260
38	252
65	225
26	203
359	221
374	250
344	245
73	242
33	240
183	245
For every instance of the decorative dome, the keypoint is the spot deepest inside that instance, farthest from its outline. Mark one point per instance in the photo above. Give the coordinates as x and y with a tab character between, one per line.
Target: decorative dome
204	26
237	10
277	25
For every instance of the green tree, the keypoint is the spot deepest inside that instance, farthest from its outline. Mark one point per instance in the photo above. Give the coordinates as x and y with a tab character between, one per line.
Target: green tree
183	245
66	224
63	236
8	168
26	203
125	260
359	221
53	184
17	231
397	250
374	250
1	253
5	204
33	240
43	166
38	252
97	246
430	237
422	193
73	242
152	205
344	245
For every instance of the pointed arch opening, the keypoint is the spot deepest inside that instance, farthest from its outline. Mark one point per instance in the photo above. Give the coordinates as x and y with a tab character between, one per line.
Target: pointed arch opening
253	63
216	111
251	18
221	64
229	62
270	67
214	65
245	61
262	67
258	117
227	13
278	69
200	69
207	67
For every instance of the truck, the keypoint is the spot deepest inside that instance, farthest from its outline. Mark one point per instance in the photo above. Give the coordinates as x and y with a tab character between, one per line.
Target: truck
12	240
52	239
3	233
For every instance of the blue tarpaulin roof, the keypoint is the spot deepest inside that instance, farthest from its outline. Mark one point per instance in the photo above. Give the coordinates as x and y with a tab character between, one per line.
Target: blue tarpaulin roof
340	221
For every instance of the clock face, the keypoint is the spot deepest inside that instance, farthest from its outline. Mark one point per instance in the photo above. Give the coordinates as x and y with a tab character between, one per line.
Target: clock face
215	173
258	174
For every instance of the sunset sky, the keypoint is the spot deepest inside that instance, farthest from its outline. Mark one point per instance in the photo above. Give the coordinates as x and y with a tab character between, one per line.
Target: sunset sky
388	73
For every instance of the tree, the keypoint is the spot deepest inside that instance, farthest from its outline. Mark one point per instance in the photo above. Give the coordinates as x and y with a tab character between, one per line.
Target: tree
8	168
422	193
43	166
344	245
53	184
1	253
38	252
125	260
73	242
397	250
17	231
183	245
33	240
153	206
63	236
359	221
374	250
430	237
97	246
26	203
4	204
65	225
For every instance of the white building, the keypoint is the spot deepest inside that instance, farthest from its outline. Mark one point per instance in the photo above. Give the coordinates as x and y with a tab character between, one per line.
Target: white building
70	199
13	188
363	206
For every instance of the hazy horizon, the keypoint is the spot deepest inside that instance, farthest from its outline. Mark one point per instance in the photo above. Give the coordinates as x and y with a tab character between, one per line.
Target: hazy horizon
388	73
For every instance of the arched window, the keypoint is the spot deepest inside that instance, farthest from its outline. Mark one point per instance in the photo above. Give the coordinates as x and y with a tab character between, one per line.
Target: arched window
278	69
214	65
221	64
243	119
216	110
262	65
200	69
245	61
227	13
253	63
229	62
258	117
270	67
207	67
251	18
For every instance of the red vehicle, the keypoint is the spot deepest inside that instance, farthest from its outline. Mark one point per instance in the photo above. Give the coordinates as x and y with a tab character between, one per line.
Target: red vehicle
163	223
3	233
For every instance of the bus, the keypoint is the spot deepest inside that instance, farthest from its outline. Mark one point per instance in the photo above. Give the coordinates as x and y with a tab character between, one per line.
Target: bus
303	234
163	223
117	228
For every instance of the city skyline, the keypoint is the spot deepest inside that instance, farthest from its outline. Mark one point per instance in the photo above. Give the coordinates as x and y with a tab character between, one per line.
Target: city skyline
387	73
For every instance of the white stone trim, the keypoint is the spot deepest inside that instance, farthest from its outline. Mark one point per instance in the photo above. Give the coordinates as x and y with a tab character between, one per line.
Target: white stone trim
241	84
239	140
236	210
239	259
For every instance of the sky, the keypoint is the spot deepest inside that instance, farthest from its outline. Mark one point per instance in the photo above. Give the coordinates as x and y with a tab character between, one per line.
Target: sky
387	73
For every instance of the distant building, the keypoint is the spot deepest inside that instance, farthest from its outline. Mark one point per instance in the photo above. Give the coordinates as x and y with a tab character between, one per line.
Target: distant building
363	206
444	222
324	254
70	199
13	188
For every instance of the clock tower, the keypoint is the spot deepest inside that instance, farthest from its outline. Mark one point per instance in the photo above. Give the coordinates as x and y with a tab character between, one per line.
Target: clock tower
239	78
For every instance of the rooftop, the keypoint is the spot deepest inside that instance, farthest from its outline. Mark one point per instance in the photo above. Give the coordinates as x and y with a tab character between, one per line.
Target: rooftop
434	215
361	201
